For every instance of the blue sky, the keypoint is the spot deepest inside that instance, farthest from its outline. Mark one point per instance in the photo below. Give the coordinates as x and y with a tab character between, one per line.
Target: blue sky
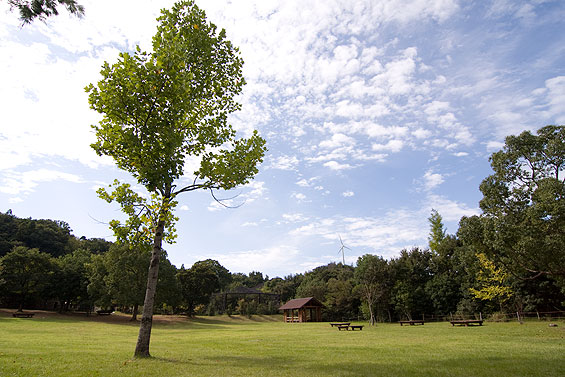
374	113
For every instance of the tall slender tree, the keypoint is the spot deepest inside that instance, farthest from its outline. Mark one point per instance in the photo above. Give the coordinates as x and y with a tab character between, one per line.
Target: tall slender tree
437	231
164	106
372	275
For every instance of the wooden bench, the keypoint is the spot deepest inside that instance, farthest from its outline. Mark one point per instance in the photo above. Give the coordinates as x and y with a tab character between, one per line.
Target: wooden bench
353	327
350	327
412	322
23	315
337	324
467	322
104	312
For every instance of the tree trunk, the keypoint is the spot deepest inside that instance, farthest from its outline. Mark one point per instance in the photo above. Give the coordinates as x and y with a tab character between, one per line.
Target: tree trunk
142	346
134	314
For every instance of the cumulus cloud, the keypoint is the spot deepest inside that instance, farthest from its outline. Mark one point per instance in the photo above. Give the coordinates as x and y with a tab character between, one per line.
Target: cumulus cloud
334	165
294	217
283	258
451	210
284	163
347	194
430	180
556	98
300	197
393	146
22	183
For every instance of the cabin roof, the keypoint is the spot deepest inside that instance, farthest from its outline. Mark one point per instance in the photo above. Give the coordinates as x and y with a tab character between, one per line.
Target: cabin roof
298	303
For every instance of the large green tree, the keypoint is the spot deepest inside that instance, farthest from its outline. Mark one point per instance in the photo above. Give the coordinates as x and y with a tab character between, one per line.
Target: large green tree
200	281
160	108
373	279
523	204
41	9
411	272
24	273
70	281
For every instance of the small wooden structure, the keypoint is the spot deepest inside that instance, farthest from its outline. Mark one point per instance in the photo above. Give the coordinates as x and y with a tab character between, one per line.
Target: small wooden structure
306	309
223	300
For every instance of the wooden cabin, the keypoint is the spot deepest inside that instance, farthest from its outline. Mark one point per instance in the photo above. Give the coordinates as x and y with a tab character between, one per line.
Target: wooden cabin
306	309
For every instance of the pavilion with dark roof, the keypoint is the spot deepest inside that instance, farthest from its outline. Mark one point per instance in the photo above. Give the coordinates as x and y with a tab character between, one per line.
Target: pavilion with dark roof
307	309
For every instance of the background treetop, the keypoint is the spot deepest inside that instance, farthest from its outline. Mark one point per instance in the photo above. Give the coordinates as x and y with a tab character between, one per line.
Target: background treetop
42	9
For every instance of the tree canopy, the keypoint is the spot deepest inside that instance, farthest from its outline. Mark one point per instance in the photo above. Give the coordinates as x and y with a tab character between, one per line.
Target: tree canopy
42	9
523	221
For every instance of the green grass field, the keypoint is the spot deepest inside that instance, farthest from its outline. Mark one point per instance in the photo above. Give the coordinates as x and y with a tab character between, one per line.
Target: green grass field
58	345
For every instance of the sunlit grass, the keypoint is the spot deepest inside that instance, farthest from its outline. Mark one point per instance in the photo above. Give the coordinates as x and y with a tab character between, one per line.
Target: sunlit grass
222	346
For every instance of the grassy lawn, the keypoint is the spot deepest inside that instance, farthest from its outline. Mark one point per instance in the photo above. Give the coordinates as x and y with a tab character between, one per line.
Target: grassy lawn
57	345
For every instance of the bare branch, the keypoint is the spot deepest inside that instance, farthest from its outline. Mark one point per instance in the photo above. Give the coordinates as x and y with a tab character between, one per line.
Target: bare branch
221	200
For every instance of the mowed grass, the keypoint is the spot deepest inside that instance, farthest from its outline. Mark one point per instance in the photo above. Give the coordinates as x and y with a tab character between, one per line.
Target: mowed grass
264	346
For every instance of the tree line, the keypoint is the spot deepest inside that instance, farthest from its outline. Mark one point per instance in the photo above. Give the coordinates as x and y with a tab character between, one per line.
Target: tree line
448	278
42	265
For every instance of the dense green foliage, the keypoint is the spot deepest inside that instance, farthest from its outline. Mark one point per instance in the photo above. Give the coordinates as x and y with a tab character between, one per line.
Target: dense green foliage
523	220
41	9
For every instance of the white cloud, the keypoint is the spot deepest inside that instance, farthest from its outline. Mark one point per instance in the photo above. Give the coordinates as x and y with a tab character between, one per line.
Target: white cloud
284	163
556	99
22	183
432	180
347	194
493	146
450	210
281	257
252	191
249	223
421	133
393	146
334	165
294	217
300	197
308	182
337	140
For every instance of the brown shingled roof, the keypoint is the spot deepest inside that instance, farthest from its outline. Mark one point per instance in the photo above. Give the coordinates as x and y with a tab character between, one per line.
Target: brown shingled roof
298	303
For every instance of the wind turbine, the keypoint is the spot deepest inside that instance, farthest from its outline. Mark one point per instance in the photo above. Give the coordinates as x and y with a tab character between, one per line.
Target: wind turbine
342	249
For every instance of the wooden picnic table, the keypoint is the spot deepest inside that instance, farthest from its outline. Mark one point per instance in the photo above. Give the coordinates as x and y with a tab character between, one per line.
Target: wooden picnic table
337	324
104	312
23	315
467	322
412	322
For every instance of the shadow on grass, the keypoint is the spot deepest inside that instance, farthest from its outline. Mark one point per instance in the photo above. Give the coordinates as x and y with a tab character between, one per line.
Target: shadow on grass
460	366
159	321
